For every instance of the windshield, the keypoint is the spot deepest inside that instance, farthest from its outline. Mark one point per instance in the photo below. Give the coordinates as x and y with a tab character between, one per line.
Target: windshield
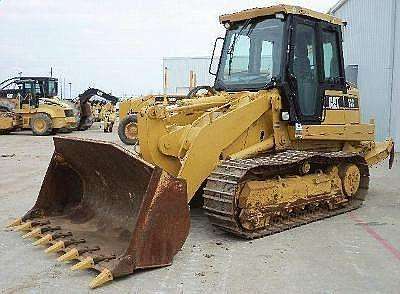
251	55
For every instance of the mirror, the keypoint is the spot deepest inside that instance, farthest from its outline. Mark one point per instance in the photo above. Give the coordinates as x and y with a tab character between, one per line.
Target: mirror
219	42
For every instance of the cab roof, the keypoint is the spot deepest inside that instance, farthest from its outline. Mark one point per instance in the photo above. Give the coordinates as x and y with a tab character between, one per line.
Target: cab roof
272	10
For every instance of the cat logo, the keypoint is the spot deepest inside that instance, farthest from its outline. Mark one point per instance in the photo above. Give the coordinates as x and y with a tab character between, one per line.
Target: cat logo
341	103
333	102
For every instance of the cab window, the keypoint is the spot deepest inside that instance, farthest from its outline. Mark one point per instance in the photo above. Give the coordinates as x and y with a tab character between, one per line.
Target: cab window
305	69
331	57
240	57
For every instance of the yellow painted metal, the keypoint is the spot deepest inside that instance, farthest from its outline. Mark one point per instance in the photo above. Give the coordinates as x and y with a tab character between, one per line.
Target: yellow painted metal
347	132
378	151
238	125
14	223
70	255
32	234
134	105
87	263
44	240
273	10
6	123
254	150
351	178
107	115
201	144
104	277
39	124
23	227
190	138
259	196
54	108
55	247
131	130
346	115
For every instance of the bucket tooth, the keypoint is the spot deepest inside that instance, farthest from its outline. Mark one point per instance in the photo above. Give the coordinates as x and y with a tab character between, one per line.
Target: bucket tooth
43	241
70	255
48	238
23	227
102	278
15	223
32	234
29	225
56	247
87	263
63	244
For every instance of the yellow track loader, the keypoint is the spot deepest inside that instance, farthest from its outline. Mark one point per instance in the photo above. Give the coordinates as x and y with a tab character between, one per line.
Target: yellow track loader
278	145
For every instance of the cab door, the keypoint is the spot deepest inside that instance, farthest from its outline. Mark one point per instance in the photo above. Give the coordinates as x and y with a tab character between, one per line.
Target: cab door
336	102
316	65
305	68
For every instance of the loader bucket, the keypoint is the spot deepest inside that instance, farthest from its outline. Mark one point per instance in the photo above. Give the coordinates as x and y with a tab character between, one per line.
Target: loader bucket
108	209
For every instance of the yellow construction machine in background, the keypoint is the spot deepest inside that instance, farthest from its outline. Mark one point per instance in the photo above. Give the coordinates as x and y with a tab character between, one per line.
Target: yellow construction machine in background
107	115
128	110
32	103
278	144
91	111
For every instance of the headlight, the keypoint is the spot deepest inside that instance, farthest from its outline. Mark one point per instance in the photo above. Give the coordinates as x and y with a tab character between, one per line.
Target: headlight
285	116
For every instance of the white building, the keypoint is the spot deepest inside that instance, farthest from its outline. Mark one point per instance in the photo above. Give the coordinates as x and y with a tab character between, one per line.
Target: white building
181	73
372	41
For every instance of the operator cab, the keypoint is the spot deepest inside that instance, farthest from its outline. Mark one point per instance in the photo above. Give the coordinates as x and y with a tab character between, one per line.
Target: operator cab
295	49
28	92
29	89
44	87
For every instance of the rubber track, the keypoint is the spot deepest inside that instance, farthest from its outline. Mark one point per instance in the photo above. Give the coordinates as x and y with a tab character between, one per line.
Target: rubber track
223	184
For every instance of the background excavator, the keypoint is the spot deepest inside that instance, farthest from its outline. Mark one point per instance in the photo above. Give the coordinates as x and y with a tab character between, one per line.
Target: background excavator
86	114
279	144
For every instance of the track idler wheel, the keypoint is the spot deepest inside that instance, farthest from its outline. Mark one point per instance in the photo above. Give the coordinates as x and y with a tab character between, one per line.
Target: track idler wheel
351	179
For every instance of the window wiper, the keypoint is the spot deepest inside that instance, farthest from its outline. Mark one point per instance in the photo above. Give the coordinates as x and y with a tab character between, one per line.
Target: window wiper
232	47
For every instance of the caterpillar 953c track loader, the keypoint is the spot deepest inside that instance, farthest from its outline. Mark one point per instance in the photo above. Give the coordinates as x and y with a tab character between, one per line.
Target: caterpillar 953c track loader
280	144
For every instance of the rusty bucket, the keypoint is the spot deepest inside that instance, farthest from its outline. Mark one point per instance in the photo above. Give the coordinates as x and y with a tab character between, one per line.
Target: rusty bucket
107	209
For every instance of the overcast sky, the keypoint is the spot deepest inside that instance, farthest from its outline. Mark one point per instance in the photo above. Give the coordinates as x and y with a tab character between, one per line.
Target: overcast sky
116	45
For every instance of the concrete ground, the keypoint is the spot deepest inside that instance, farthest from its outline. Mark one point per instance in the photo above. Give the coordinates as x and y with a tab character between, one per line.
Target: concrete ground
354	253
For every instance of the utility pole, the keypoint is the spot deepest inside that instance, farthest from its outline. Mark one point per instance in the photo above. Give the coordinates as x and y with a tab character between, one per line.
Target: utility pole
70	90
61	89
165	81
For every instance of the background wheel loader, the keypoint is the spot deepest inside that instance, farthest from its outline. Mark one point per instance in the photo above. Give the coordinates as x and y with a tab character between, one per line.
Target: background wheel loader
279	145
31	103
128	110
